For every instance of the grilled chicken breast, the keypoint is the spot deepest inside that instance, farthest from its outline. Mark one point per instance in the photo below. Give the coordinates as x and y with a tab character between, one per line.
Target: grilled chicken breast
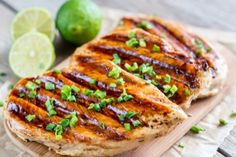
178	76
92	109
188	43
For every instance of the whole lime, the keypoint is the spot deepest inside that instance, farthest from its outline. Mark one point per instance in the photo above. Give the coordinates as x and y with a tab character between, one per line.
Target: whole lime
78	21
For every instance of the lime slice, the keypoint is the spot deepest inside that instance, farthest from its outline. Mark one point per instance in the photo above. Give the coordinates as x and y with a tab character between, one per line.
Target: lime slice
31	54
33	19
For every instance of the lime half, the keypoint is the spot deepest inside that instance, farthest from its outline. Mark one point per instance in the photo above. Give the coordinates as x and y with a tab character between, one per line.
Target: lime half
31	54
33	19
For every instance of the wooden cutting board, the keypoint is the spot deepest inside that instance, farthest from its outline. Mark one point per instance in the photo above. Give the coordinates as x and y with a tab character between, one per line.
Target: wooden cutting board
155	148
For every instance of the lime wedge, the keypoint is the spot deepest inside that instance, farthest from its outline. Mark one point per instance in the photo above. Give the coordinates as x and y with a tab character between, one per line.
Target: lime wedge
31	54
33	19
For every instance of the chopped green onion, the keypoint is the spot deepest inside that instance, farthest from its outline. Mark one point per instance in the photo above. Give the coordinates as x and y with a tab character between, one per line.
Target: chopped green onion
222	122
233	114
148	82
130	114
50	126
95	107
133	42
112	85
158	77
38	81
21	95
75	89
64	123
166	88
136	123
195	129
145	25
167	78
181	145
154	83
88	92
100	94
132	35
124	97
32	94
1	104
57	71
58	131
93	81
127	126
114	73
122	117
102	126
50	107
173	90
147	69
142	43
132	68
120	81
66	93
49	86
116	59
30	117
156	48
30	85
73	119
187	92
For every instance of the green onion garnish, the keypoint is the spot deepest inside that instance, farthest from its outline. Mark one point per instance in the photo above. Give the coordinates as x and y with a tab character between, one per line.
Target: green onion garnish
49	86
30	117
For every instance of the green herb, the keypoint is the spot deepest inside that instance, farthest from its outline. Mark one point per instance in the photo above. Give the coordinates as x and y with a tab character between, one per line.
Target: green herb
58	131
1	104
50	126
50	107
100	94
73	119
132	35
156	48
88	92
158	77
130	114
200	47
147	69
195	129
102	126
132	68
208	49
137	75
136	123
145	25
112	85
66	93
122	117
93	81
95	107
64	123
37	81
222	122
187	92
32	94
114	73
57	71
166	88
11	86
142	43
127	126
30	85
116	59
173	90
181	145
133	42
21	95
75	89
154	83
148	82
233	114
49	86
3	74
30	117
104	102
120	81
124	97
167	78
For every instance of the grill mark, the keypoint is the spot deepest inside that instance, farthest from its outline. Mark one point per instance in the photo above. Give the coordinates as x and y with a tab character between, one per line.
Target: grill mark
129	54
